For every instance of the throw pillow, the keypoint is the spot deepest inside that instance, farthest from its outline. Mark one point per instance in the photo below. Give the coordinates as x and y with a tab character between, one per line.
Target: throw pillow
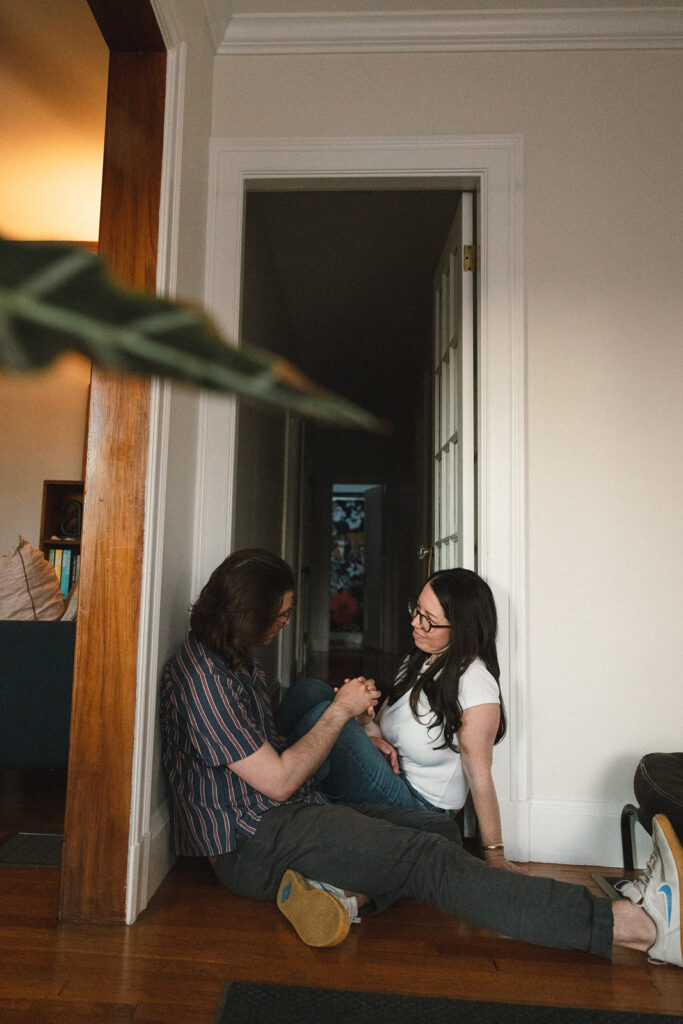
29	588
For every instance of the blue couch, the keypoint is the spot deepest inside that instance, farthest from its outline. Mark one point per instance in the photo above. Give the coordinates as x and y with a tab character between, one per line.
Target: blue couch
36	678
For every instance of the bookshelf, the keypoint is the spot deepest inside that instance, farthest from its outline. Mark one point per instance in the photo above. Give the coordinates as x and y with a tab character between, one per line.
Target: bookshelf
60	528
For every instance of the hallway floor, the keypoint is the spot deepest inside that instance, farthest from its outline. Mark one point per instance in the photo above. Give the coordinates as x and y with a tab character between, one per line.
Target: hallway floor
171	966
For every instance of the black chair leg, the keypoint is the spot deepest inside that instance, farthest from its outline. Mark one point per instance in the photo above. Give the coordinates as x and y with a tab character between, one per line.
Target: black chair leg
629	816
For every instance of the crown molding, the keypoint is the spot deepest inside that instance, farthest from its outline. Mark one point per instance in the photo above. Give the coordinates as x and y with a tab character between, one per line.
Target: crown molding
218	19
608	28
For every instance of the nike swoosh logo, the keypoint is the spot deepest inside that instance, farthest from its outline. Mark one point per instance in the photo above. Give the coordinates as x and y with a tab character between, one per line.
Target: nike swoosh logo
288	889
665	888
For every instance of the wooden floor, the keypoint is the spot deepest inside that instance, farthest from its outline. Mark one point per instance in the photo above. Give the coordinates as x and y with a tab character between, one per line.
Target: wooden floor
170	967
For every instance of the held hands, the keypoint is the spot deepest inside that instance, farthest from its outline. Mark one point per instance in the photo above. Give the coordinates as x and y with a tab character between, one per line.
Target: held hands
368	714
357	696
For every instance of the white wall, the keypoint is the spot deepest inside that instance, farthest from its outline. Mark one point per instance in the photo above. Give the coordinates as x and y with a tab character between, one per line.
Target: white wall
603	240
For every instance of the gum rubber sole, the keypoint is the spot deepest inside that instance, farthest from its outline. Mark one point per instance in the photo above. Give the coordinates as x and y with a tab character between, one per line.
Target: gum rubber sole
676	850
316	916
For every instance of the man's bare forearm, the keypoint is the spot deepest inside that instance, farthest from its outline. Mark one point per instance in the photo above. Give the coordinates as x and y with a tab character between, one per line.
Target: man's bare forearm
300	761
278	776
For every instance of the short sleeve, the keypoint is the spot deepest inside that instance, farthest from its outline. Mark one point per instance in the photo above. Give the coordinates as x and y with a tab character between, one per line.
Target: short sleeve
477	686
219	716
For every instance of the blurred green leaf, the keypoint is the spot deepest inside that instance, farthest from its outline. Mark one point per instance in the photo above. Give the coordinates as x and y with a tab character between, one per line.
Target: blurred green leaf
56	297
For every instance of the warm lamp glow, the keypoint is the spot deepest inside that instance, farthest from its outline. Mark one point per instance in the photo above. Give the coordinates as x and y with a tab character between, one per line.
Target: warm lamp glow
53	84
52	194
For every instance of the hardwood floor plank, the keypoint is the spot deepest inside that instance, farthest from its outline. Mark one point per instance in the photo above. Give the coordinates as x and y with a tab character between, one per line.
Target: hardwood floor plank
171	966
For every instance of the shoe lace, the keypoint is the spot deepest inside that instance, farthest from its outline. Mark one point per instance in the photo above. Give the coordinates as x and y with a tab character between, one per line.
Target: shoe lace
641	882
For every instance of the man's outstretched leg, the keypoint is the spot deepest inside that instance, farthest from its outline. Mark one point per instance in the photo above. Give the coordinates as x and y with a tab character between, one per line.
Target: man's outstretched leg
652	924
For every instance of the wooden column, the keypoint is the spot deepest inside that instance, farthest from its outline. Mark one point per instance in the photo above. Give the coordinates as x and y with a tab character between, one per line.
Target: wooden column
96	828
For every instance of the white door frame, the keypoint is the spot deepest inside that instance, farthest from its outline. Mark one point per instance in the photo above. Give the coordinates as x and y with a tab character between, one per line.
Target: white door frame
491	165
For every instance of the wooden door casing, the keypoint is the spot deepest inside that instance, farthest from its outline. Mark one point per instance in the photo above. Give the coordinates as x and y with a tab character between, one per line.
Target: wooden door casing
97	819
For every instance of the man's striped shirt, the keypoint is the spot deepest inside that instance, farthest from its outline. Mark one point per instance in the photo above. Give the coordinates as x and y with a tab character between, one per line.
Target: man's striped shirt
212	716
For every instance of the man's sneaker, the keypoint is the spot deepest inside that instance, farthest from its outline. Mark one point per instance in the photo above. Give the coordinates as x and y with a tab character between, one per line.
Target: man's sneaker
661	896
317	914
634	889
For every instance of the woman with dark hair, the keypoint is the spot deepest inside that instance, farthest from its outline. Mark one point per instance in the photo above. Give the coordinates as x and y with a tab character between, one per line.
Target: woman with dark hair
432	740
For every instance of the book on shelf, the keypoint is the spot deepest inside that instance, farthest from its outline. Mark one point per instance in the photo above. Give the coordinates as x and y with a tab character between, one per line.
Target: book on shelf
58	563
66	565
66	572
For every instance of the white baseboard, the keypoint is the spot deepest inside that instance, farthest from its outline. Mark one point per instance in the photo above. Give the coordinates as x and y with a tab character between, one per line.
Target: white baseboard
149	861
581	833
514	819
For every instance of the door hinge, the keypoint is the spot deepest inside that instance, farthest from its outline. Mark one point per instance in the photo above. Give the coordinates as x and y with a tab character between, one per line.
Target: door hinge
470	257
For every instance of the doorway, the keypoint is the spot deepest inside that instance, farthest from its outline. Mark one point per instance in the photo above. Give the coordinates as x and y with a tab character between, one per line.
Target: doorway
491	166
340	281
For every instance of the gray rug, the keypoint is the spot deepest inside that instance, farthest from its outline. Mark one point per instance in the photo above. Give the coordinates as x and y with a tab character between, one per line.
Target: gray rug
37	849
251	1003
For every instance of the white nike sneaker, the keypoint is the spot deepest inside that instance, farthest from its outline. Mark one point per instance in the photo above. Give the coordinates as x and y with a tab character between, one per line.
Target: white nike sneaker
634	889
350	902
662	892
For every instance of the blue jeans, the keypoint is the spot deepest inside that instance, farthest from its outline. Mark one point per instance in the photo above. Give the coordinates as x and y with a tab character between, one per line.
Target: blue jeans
355	771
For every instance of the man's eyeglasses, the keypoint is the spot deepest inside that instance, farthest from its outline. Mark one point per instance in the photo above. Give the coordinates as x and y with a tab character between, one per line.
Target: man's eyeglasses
426	625
284	617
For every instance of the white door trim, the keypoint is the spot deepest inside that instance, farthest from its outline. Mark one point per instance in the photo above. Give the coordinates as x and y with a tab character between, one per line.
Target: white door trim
493	166
149	851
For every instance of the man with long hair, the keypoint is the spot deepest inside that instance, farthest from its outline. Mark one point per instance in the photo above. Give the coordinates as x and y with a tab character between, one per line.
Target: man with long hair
244	798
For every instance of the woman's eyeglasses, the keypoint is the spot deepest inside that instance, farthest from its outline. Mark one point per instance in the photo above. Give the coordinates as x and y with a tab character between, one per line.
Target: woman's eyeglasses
426	625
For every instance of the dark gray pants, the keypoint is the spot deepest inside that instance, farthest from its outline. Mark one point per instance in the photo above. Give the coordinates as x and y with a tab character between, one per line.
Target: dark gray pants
388	853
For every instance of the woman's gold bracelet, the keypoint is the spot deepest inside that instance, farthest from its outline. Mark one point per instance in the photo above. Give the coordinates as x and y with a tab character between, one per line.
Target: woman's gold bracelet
494	846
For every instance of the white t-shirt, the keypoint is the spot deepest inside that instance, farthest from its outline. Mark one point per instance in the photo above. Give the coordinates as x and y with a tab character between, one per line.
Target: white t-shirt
438	775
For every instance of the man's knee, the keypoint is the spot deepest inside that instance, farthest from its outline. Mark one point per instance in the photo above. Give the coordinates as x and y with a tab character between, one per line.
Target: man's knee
415	818
658	786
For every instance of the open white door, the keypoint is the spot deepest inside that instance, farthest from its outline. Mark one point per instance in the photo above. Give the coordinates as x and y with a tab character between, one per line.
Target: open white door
455	450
